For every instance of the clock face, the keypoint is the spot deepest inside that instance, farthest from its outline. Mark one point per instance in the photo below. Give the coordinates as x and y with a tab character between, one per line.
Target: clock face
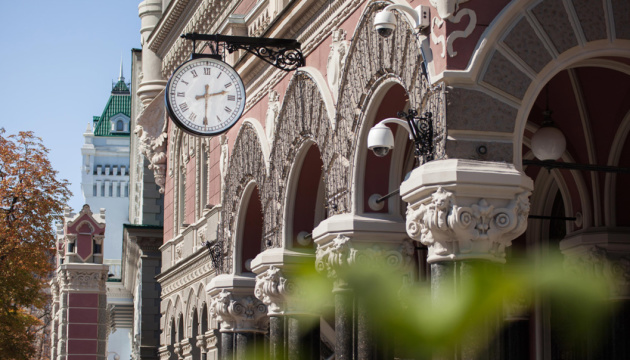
205	96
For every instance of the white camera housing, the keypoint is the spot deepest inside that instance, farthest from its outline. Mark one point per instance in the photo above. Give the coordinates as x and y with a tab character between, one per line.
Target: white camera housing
385	23
380	140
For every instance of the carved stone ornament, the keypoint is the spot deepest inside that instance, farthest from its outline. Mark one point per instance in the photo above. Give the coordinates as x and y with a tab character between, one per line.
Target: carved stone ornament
273	109
239	313
164	353
336	59
82	280
478	231
597	261
274	290
448	10
337	255
151	132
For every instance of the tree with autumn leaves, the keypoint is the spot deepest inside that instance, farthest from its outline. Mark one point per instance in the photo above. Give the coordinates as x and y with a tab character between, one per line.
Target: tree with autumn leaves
32	199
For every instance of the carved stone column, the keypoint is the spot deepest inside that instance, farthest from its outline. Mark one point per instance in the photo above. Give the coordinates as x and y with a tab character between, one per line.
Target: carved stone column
207	343
186	349
343	241
293	328
164	353
243	318
466	212
151	82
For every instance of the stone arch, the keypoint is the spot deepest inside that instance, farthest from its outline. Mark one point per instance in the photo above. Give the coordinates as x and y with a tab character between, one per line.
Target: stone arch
304	204
177	173
166	325
191	306
264	143
370	60
304	116
524	47
248	225
246	164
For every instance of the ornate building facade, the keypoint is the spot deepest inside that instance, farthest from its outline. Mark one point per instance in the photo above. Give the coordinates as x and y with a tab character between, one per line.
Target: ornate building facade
105	185
294	182
80	321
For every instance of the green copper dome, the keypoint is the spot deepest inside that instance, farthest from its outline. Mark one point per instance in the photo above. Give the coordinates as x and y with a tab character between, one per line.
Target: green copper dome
119	103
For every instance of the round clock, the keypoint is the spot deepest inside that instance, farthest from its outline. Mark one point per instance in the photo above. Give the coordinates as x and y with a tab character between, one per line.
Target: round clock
205	96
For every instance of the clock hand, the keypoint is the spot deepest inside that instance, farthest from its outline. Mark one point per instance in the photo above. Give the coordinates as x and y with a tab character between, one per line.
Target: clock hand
205	96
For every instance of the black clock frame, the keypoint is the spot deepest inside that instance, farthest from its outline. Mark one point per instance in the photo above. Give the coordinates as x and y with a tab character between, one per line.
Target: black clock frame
175	118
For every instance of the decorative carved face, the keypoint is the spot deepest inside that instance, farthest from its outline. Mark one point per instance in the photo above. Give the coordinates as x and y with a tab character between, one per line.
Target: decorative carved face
441	199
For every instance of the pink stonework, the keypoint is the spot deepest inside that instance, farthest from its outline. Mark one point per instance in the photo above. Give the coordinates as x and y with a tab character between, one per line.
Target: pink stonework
76	346
83	316
83	331
82	357
83	300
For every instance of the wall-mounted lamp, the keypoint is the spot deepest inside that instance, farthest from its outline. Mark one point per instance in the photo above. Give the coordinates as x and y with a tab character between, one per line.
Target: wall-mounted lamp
385	21
548	143
420	129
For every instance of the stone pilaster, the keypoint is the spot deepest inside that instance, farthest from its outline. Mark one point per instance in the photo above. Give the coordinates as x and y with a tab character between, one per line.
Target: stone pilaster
242	316
344	241
151	82
467	213
293	325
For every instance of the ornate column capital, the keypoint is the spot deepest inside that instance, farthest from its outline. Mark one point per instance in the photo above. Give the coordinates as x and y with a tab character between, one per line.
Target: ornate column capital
336	256
164	352
464	209
601	252
273	289
274	283
242	313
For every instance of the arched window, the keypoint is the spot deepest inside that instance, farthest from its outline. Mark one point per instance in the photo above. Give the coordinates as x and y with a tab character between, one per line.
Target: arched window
120	126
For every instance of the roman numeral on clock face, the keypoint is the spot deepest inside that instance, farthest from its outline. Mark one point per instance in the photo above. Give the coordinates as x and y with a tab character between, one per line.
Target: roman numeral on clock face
194	73
183	107
227	85
227	109
231	97
180	94
206	71
192	116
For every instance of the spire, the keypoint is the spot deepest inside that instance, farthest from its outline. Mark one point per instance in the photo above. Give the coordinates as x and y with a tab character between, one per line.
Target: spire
121	77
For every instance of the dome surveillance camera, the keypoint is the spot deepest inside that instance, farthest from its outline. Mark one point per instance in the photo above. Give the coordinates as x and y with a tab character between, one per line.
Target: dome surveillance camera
385	23
380	140
380	151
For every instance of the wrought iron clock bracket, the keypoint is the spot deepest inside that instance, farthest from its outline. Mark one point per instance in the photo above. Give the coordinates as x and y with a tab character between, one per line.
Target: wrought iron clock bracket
284	54
214	249
421	129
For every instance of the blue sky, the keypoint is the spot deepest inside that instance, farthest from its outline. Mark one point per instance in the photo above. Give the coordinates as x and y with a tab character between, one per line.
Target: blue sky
57	65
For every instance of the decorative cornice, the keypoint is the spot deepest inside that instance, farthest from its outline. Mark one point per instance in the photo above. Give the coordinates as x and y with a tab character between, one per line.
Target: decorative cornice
239	313
479	231
166	24
186	272
82	280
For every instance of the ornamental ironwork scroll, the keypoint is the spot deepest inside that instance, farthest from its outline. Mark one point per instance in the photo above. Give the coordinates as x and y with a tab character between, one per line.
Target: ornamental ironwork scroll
284	54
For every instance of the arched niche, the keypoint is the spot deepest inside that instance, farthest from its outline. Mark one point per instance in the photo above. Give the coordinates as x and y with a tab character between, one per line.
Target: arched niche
372	66
377	176
303	119
246	165
249	228
305	206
